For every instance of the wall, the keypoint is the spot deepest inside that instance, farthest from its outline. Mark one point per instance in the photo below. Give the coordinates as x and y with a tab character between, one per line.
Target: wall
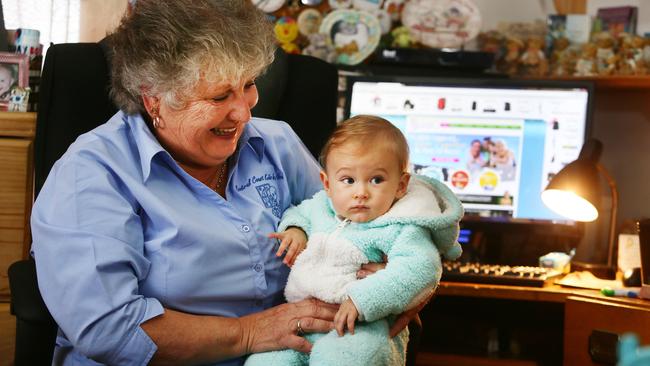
99	17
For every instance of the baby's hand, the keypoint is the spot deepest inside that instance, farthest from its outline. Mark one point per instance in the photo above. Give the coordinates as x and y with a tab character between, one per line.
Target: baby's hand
345	317
293	240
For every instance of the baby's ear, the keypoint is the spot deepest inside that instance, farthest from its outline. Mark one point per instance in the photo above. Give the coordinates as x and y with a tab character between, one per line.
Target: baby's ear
403	185
326	181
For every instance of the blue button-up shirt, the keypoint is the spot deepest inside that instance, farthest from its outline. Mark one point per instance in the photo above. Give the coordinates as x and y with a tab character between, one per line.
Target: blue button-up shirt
121	231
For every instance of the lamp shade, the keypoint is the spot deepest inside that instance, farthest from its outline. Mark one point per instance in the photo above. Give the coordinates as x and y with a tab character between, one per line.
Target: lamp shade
574	192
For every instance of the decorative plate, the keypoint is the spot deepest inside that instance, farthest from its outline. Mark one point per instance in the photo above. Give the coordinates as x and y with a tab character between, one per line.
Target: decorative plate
442	23
385	21
354	34
309	21
340	4
366	4
269	6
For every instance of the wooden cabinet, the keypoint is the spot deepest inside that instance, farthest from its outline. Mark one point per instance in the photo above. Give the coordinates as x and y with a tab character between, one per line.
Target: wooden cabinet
16	187
592	327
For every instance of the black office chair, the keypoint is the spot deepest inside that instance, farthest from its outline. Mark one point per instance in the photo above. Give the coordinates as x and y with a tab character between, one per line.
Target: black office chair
301	90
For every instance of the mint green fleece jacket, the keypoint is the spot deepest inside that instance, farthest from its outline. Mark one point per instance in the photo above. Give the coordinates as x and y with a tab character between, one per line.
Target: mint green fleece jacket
413	234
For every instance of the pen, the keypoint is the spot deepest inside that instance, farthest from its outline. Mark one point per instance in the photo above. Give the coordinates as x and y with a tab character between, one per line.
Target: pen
619	292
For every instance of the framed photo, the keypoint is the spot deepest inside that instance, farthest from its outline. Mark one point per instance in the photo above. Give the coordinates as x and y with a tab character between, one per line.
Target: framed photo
14	73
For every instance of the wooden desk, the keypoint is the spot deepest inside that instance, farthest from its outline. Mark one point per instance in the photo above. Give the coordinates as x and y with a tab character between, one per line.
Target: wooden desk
536	326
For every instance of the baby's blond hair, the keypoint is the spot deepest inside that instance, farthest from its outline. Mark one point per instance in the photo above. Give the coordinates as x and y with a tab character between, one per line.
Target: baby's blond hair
370	131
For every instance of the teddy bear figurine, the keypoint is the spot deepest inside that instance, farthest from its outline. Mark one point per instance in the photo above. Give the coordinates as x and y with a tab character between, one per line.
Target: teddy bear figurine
533	61
605	53
630	56
320	48
509	64
586	64
563	58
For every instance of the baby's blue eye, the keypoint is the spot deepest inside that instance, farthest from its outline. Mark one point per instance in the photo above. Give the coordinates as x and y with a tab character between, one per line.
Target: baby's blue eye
347	180
376	180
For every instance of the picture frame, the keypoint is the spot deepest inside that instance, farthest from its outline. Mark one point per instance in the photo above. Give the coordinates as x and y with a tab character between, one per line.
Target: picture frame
14	72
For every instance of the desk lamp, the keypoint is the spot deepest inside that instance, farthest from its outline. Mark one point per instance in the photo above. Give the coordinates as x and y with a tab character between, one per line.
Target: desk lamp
574	192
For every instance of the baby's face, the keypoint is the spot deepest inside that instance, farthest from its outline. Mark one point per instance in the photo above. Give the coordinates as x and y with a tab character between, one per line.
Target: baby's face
363	182
5	80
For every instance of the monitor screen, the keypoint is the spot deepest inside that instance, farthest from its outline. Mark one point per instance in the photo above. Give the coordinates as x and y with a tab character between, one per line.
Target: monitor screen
495	142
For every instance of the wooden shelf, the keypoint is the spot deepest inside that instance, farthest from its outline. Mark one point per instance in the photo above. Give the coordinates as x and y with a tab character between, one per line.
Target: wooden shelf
615	82
17	124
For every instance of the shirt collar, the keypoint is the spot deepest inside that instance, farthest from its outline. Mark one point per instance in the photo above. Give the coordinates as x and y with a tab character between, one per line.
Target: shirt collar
145	141
148	146
252	138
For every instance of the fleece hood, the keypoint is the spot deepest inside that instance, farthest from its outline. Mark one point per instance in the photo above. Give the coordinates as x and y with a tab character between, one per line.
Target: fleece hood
430	204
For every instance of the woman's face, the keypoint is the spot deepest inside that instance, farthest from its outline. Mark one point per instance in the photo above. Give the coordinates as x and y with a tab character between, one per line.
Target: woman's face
205	133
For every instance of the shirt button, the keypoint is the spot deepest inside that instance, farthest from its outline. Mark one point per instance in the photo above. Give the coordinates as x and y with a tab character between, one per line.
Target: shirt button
245	228
258	267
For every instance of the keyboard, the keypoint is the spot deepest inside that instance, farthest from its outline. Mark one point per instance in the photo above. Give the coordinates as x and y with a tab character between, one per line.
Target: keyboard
498	274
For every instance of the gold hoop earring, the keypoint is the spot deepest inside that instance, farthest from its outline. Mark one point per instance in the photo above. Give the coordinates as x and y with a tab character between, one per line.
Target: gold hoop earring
155	119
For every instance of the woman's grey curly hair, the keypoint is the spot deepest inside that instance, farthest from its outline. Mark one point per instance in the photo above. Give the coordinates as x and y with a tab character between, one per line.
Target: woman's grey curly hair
166	47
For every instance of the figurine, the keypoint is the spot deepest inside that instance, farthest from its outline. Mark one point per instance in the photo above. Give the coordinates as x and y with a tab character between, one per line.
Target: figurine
586	64
562	58
401	37
18	99
533	61
286	33
605	56
630	56
509	64
319	47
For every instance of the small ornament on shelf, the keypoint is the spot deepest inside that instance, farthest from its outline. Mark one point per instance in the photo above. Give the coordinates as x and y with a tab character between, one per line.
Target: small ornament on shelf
533	61
605	55
18	99
586	63
563	58
509	64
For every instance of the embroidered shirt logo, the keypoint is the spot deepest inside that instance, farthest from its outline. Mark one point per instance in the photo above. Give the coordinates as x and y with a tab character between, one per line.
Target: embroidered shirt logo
269	196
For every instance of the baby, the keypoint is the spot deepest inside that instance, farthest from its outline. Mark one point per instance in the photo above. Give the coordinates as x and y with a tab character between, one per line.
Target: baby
7	80
370	207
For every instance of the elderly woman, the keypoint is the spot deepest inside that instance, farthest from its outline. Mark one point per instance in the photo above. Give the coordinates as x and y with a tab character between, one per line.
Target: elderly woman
151	232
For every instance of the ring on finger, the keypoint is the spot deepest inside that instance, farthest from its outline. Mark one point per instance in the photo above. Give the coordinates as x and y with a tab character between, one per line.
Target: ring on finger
299	330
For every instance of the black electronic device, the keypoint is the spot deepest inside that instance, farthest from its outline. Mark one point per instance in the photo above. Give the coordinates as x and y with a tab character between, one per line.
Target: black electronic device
434	58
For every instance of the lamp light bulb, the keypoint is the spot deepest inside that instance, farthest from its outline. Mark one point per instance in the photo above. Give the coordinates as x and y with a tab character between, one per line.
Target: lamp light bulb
570	205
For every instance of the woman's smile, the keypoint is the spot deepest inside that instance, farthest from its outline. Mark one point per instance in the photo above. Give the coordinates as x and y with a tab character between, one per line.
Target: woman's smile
224	131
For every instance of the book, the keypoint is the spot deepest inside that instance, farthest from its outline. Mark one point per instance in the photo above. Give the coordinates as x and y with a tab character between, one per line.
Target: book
574	27
616	20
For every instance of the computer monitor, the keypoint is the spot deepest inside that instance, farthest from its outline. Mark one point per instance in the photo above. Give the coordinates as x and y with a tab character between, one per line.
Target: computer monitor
495	142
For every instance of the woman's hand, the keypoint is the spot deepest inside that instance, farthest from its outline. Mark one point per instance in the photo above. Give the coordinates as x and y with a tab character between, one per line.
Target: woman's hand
281	327
403	319
345	317
370	268
293	240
